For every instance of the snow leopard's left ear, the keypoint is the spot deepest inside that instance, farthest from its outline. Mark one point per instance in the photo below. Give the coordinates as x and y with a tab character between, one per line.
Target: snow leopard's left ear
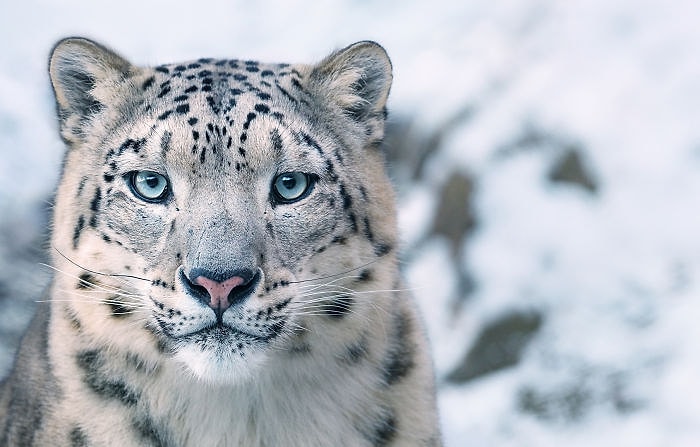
357	79
85	76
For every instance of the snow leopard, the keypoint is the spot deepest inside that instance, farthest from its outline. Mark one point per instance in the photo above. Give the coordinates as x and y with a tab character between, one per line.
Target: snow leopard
224	253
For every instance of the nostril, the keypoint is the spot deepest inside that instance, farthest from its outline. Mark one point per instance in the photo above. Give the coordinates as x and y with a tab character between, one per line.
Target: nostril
220	291
242	291
196	290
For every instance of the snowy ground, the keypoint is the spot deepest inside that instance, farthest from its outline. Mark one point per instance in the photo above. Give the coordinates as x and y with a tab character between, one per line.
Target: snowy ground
603	272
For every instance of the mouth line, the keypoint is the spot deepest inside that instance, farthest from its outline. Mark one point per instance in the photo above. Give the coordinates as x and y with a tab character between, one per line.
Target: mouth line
217	330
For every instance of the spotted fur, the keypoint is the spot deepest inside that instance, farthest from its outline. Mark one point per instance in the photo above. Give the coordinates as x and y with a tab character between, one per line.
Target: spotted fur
220	312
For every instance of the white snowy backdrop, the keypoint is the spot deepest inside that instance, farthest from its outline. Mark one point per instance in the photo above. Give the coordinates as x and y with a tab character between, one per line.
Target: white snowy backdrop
547	155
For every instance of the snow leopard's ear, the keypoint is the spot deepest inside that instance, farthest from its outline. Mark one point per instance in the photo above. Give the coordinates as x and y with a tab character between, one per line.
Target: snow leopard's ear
357	79
84	76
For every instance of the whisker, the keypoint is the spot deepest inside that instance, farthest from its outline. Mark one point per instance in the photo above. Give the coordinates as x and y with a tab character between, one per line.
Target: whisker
105	287
115	275
337	274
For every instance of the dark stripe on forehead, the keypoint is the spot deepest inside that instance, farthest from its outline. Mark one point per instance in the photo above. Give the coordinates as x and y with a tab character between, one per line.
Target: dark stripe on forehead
276	140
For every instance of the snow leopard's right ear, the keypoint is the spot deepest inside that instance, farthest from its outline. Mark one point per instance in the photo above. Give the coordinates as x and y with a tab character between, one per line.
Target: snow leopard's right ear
85	76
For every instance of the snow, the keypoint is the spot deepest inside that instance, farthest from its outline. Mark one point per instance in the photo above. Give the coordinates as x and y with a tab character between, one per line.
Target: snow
615	273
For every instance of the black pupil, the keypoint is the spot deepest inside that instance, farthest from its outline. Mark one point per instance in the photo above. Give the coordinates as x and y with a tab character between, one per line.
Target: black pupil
152	181
289	181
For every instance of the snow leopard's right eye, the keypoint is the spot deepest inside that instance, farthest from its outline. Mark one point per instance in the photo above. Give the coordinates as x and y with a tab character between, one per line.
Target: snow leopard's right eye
149	185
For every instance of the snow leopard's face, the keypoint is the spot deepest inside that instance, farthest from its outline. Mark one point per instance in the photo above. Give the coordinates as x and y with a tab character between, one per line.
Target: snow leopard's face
204	204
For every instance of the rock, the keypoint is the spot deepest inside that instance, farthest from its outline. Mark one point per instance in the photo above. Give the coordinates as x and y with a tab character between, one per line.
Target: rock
579	394
499	345
454	218
569	168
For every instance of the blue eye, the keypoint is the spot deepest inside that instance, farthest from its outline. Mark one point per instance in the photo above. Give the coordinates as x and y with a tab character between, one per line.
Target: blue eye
149	186
291	186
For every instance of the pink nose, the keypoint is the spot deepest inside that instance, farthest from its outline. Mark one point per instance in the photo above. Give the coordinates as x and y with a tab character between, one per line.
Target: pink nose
219	291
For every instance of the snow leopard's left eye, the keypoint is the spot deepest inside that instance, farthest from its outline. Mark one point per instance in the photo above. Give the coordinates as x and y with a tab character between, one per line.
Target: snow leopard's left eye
149	186
290	187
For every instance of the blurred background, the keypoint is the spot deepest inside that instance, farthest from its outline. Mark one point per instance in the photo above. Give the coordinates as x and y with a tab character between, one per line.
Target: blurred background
547	158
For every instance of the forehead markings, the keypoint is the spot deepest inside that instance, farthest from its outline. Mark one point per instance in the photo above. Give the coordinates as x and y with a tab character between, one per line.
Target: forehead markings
219	83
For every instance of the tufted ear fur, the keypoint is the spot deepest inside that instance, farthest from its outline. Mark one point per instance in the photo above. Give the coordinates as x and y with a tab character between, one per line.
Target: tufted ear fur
82	73
357	79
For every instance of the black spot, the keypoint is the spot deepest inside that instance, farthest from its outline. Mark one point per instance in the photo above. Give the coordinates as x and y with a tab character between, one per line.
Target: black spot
311	142
207	81
286	93
78	438
81	185
251	116
149	432
339	307
381	249
356	352
72	318
165	141
368	230
212	104
297	84
399	358
193	65
276	140
92	363
262	108
252	68
244	137
180	98
148	83
180	68
347	200
365	275
266	73
117	310
191	89
182	108
85	281
192	121
108	177
163	69
78	228
384	430
164	91
204	73
95	207
330	170
95	204
165	115
264	96
195	135
202	155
